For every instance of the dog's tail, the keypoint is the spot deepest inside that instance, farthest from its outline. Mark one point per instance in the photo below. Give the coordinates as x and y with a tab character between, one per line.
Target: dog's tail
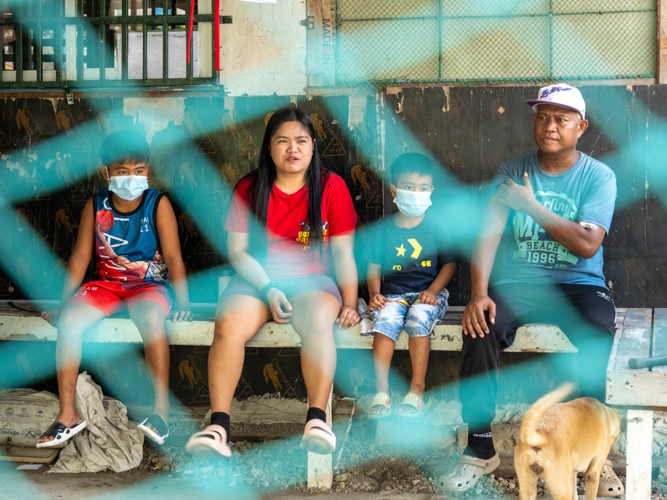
528	434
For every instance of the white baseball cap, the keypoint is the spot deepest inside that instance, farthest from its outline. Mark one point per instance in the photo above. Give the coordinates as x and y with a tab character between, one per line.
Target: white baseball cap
560	94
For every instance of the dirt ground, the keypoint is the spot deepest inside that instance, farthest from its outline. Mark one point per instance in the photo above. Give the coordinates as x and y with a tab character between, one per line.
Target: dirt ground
271	469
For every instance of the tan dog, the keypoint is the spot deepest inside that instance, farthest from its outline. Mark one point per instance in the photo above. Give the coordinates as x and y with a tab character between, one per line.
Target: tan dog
557	441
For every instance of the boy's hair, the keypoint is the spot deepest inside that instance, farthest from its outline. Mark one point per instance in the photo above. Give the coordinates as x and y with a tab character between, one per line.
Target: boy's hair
411	163
124	146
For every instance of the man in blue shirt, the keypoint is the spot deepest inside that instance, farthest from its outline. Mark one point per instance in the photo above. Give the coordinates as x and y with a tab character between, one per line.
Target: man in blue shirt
547	215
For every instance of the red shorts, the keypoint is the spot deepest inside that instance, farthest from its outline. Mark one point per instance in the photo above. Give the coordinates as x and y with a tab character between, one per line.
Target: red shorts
110	296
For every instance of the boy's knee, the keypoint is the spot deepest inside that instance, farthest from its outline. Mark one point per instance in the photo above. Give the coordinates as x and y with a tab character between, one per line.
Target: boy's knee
150	322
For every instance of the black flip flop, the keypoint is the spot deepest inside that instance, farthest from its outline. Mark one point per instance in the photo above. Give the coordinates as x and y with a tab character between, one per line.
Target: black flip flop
61	433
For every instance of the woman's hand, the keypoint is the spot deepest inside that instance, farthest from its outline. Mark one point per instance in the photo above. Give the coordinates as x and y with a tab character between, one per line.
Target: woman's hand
347	317
280	308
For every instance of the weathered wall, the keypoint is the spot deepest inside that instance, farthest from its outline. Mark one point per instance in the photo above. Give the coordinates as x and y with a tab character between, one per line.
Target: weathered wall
196	143
472	130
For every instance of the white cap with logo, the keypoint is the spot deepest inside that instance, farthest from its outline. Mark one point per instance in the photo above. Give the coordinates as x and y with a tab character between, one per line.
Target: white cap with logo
560	94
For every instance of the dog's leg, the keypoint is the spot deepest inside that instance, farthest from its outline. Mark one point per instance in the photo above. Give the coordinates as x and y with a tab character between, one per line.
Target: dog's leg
592	478
527	482
560	489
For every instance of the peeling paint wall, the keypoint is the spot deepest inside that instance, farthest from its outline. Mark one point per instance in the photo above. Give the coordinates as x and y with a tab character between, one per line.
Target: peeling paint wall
471	131
195	143
263	52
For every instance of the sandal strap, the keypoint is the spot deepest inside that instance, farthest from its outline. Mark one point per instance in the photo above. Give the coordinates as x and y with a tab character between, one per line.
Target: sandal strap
381	399
55	429
411	399
157	423
211	433
467	459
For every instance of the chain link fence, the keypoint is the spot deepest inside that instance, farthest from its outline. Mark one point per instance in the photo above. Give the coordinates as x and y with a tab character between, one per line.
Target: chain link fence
483	42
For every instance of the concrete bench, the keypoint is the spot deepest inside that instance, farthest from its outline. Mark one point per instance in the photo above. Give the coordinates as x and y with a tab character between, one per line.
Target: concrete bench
19	320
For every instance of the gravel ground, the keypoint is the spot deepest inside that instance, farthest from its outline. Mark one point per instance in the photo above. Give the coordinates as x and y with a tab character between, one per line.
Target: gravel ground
279	465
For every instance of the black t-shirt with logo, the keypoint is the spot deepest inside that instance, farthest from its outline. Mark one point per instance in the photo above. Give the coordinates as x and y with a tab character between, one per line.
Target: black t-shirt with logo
410	259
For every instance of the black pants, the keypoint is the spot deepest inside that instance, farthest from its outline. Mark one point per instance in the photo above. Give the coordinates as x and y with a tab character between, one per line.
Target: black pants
585	313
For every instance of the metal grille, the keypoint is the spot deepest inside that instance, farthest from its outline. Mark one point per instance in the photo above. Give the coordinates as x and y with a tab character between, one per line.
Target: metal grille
482	42
105	43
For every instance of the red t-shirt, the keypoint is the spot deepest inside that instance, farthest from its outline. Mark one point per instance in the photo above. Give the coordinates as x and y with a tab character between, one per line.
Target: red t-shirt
288	254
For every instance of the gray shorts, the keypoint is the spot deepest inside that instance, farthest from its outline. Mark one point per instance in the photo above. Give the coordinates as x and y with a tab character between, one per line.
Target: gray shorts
310	283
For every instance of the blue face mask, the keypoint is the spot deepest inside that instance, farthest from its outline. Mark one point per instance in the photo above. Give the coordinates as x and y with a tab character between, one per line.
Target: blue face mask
128	187
412	203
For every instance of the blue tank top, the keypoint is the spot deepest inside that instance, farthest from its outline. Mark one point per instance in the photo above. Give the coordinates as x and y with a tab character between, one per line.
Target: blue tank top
127	244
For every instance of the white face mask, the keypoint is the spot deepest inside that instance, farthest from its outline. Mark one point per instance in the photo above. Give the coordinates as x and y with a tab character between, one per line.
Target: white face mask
128	187
412	203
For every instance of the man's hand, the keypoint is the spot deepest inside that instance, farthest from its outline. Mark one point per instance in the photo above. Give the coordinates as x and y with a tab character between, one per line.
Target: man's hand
377	302
517	197
473	316
429	298
51	316
181	314
347	317
280	308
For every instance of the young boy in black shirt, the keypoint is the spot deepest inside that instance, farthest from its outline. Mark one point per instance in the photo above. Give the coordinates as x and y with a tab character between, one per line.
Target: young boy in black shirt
412	249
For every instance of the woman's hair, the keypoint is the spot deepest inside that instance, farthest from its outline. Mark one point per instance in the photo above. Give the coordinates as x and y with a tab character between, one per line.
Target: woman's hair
259	190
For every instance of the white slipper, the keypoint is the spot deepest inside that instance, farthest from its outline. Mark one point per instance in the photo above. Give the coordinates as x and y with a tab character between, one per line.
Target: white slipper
610	485
467	472
318	437
211	442
61	433
157	423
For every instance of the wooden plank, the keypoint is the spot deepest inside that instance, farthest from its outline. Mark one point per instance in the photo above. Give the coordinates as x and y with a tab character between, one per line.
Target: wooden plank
29	454
639	454
320	44
659	343
661	73
320	467
636	339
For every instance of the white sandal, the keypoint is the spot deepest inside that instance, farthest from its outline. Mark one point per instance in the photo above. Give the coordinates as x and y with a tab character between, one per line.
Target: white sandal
467	472
318	437
610	485
211	442
380	399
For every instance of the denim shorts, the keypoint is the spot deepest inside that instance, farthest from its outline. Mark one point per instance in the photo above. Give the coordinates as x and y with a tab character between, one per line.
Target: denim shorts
402	313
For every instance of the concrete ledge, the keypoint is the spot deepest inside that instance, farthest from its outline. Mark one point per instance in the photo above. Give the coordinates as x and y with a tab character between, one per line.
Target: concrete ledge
17	323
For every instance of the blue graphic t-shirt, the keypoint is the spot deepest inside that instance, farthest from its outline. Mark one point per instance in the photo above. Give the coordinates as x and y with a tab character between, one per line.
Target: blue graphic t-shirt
585	193
410	259
127	244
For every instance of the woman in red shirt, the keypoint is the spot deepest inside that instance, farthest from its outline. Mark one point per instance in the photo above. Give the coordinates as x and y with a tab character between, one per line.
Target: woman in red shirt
291	228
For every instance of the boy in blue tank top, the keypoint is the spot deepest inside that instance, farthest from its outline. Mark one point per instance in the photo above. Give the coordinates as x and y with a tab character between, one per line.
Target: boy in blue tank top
133	232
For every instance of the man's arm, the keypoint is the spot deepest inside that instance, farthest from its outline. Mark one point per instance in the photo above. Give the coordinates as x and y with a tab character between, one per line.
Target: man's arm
584	240
167	229
481	265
